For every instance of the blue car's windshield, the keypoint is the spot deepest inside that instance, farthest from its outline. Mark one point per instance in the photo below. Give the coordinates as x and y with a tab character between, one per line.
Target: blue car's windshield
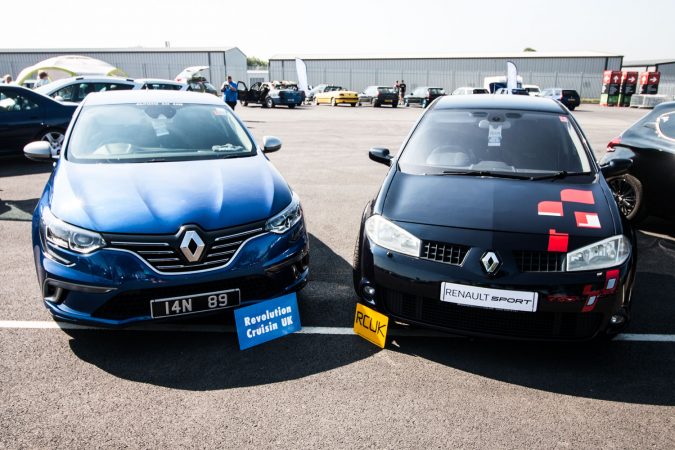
152	132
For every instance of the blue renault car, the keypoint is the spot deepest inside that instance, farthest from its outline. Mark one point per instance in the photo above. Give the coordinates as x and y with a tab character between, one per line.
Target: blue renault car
162	205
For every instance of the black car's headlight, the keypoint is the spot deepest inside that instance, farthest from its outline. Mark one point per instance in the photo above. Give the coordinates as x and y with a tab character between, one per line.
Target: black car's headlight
392	237
60	234
285	220
607	253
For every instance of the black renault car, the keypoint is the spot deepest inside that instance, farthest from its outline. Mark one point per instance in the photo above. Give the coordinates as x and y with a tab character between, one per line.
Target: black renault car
649	185
495	220
423	96
378	96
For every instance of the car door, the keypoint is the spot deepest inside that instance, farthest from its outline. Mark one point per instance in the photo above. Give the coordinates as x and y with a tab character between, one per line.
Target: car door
242	91
254	93
21	118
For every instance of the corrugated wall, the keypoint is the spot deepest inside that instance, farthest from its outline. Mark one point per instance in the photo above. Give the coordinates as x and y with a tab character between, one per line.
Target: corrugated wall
142	64
583	74
667	83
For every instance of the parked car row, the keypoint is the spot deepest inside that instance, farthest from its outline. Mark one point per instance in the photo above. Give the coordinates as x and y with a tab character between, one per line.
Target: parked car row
546	255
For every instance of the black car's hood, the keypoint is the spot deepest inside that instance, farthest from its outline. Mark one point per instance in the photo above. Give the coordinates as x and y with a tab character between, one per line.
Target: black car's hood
497	204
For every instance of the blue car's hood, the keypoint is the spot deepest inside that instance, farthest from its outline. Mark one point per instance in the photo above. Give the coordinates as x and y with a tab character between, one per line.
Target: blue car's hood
158	198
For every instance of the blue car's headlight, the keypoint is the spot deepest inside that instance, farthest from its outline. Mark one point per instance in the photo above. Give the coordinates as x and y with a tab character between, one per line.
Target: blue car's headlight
607	253
60	234
285	220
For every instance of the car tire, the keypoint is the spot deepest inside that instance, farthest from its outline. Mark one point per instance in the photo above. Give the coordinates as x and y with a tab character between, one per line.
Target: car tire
55	138
353	104
628	194
291	105
376	104
332	102
245	103
269	102
571	108
394	105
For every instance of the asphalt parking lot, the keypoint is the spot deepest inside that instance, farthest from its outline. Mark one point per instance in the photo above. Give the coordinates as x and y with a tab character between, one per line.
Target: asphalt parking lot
190	386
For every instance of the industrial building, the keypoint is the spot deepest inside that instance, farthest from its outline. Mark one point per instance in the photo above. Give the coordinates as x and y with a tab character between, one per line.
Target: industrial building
665	66
140	62
578	70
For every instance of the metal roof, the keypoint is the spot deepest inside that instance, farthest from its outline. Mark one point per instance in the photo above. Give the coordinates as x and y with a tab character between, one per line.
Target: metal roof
583	54
648	62
117	50
151	96
487	101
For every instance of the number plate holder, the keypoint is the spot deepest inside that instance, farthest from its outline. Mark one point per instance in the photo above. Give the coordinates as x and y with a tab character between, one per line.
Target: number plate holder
193	304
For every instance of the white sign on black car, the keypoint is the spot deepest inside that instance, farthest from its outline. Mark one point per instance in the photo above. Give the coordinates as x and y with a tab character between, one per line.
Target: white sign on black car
489	298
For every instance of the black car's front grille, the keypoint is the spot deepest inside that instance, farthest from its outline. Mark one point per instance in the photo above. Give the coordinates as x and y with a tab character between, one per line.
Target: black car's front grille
446	253
137	303
451	316
536	261
164	254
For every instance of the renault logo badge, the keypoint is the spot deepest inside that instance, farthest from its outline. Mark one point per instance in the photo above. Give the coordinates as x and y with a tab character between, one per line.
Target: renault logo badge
491	262
192	246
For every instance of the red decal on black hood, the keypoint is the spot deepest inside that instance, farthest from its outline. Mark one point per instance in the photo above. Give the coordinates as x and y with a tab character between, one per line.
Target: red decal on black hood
577	196
557	242
550	209
587	220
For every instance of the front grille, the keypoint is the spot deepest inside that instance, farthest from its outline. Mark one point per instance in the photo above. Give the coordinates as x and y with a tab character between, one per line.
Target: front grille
535	261
137	303
539	325
445	253
163	252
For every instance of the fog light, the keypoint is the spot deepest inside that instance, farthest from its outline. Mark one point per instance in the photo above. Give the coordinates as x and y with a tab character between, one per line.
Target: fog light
617	319
369	292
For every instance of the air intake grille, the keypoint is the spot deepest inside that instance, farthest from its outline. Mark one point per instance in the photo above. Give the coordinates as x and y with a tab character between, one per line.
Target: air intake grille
530	261
445	253
164	254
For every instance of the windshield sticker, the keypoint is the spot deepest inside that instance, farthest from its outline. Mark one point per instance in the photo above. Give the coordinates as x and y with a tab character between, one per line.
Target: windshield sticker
160	127
563	119
219	112
495	136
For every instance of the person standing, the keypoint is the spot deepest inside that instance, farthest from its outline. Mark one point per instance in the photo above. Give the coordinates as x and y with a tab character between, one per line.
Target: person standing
229	90
43	79
401	89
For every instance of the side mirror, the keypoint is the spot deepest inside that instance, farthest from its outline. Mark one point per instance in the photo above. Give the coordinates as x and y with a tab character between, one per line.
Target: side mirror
380	155
271	144
616	167
38	151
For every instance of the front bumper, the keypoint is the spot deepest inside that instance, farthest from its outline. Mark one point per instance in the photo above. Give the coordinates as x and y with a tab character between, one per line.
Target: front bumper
114	288
409	289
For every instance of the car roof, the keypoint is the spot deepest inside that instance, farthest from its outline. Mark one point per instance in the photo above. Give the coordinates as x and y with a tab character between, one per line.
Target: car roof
150	96
521	102
158	80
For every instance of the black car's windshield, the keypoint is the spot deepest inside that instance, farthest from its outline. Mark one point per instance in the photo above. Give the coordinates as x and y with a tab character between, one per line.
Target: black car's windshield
494	141
156	132
386	90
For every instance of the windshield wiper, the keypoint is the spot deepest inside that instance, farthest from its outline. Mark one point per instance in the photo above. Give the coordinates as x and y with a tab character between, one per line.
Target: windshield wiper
559	175
482	173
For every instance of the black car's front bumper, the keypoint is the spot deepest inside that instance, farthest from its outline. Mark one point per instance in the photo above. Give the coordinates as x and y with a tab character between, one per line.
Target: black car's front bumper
571	305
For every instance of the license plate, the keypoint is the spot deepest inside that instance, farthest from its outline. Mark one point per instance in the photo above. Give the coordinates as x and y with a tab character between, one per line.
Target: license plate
191	304
489	298
387	101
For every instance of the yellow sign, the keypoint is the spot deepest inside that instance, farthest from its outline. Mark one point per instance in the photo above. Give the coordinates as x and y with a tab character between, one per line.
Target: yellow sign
371	325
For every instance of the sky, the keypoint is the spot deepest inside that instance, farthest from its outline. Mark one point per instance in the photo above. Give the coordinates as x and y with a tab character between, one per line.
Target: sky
264	28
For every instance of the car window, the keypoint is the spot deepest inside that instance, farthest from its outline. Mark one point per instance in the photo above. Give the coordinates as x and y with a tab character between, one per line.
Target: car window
156	132
665	125
494	140
67	93
386	90
15	102
162	86
435	91
116	87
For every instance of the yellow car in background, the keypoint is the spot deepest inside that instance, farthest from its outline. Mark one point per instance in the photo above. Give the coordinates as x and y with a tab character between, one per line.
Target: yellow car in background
335	95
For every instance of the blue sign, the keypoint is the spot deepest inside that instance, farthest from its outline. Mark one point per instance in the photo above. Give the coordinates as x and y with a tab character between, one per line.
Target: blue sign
267	320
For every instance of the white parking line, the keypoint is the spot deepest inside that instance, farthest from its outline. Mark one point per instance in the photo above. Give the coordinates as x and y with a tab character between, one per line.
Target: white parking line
47	324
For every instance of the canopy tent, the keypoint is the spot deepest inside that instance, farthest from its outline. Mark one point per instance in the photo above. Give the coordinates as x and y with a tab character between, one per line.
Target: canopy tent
69	66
